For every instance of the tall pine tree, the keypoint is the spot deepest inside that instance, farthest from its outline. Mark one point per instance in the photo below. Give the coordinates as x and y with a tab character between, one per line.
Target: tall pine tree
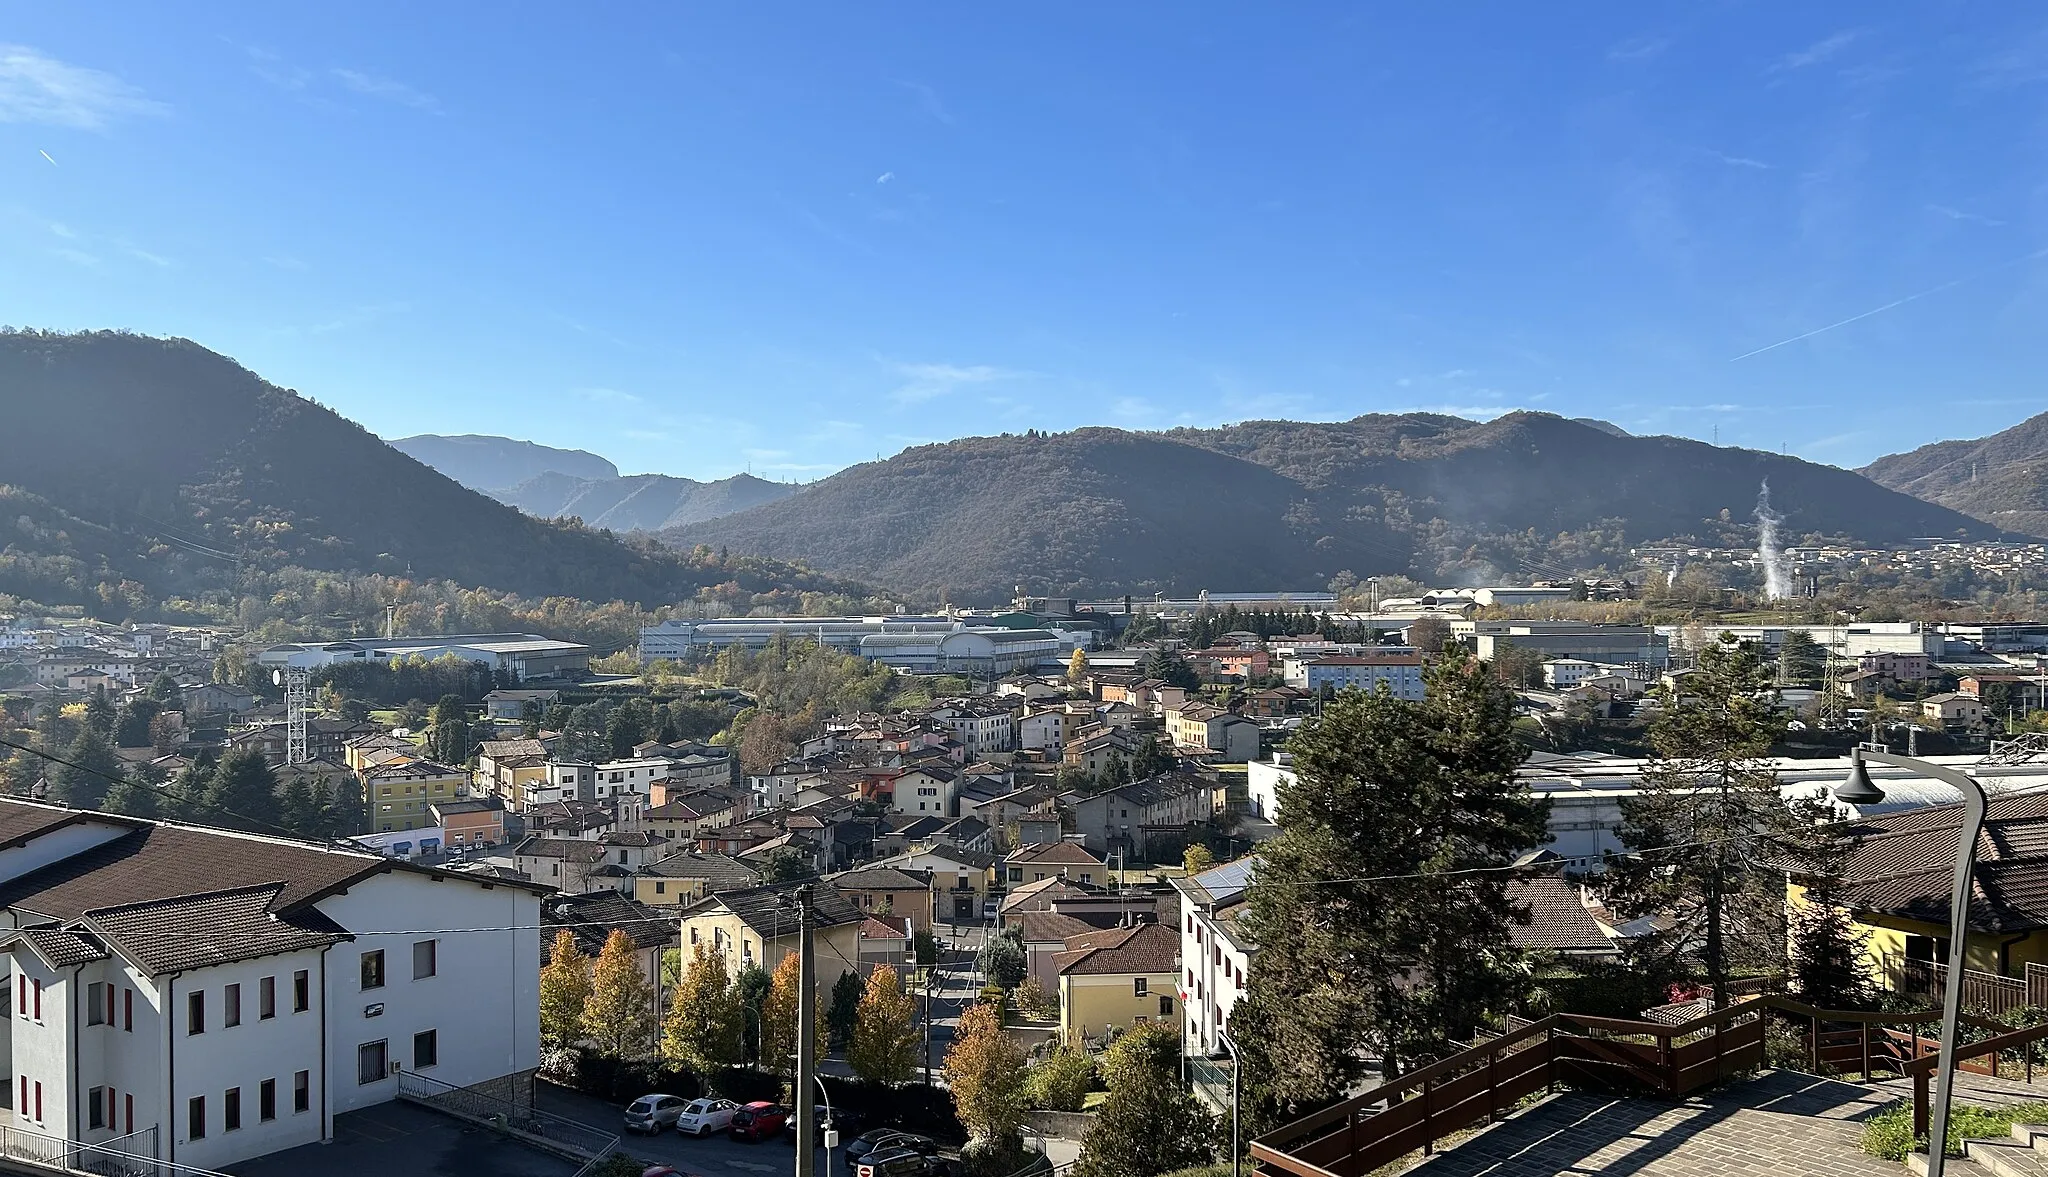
90	767
1409	794
1713	833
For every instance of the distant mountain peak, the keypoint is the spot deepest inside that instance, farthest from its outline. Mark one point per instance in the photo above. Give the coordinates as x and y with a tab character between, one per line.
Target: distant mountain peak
489	463
2001	479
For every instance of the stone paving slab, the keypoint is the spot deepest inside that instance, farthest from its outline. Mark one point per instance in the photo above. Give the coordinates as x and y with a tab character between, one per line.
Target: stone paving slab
1777	1124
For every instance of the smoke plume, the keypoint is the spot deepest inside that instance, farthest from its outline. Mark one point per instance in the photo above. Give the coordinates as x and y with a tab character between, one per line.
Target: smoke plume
1767	552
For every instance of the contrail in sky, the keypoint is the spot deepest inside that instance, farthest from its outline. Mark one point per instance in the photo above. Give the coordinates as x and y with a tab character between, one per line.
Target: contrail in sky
1891	305
46	155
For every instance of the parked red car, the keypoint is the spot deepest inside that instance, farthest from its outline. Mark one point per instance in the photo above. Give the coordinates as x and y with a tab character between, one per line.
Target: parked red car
758	1120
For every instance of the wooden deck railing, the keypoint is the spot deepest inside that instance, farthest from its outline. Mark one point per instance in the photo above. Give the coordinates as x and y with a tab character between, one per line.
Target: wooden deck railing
1413	1112
1968	1054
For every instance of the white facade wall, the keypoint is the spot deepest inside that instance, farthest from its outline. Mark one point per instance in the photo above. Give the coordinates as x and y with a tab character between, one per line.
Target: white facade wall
1210	966
41	1046
240	1057
483	1001
1263	779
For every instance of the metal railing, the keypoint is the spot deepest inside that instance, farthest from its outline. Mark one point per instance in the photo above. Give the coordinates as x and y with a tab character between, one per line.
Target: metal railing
495	1102
133	1155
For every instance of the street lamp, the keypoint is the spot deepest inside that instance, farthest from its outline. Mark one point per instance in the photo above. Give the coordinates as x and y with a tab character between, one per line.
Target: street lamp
1859	789
1236	1069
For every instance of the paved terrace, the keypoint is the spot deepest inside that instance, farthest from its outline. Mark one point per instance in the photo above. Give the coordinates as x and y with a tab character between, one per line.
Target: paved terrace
1782	1123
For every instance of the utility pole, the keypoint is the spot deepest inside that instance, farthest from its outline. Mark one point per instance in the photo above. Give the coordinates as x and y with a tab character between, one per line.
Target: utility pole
806	1037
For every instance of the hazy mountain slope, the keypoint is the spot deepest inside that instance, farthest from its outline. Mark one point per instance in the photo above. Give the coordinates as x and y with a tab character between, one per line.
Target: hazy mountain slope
639	502
1271	504
187	464
489	464
2001	479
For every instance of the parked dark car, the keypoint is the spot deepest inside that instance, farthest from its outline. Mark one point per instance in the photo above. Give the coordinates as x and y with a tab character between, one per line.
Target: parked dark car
841	1118
758	1120
900	1162
888	1139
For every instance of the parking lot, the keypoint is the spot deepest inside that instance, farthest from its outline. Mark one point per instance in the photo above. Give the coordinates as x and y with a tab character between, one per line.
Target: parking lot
404	1138
711	1156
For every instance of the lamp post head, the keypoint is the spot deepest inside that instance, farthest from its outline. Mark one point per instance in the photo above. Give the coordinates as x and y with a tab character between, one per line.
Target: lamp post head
1857	788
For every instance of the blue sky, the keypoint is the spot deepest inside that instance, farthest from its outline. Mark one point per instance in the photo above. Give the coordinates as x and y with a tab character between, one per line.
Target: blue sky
699	238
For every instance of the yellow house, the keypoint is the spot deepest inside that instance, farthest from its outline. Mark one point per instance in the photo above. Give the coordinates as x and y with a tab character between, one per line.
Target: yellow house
889	891
506	767
1897	880
758	926
689	875
399	793
1121	977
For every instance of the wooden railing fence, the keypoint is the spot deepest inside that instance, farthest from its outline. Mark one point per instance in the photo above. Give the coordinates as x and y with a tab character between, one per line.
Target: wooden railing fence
1414	1111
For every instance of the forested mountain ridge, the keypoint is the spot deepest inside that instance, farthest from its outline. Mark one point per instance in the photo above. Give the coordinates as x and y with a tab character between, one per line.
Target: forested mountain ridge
2001	479
639	502
1280	504
160	463
490	464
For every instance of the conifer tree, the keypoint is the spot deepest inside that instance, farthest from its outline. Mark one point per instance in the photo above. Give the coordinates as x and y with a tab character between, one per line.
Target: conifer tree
1715	836
885	1041
704	1028
89	769
1149	1124
564	990
619	1014
1415	795
985	1071
844	1009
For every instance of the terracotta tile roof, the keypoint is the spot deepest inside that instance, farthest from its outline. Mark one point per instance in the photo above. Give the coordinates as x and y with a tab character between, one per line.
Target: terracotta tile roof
874	929
157	862
883	878
566	849
1042	926
198	931
1903	864
1057	853
771	910
1147	948
594	917
20	823
61	947
1558	919
720	872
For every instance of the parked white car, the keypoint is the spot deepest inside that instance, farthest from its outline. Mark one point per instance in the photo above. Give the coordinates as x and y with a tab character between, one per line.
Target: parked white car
705	1116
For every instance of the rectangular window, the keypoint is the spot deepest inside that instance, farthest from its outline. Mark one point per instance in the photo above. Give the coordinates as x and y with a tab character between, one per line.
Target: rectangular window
96	1108
195	1012
302	992
266	999
23	1105
38	987
266	1100
128	1111
370	1062
426	1049
302	1091
423	957
1137	986
1165	1005
39	1101
231	1110
231	1006
94	1009
195	1118
128	1009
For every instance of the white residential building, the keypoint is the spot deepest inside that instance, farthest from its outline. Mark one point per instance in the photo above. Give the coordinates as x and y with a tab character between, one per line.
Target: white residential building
1215	954
237	992
1400	671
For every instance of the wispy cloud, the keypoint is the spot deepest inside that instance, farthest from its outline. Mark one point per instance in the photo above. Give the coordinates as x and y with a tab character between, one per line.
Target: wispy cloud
923	382
1740	161
37	88
360	316
1638	49
646	435
885	177
268	65
63	230
1956	214
144	255
389	89
606	396
928	101
284	261
1818	52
